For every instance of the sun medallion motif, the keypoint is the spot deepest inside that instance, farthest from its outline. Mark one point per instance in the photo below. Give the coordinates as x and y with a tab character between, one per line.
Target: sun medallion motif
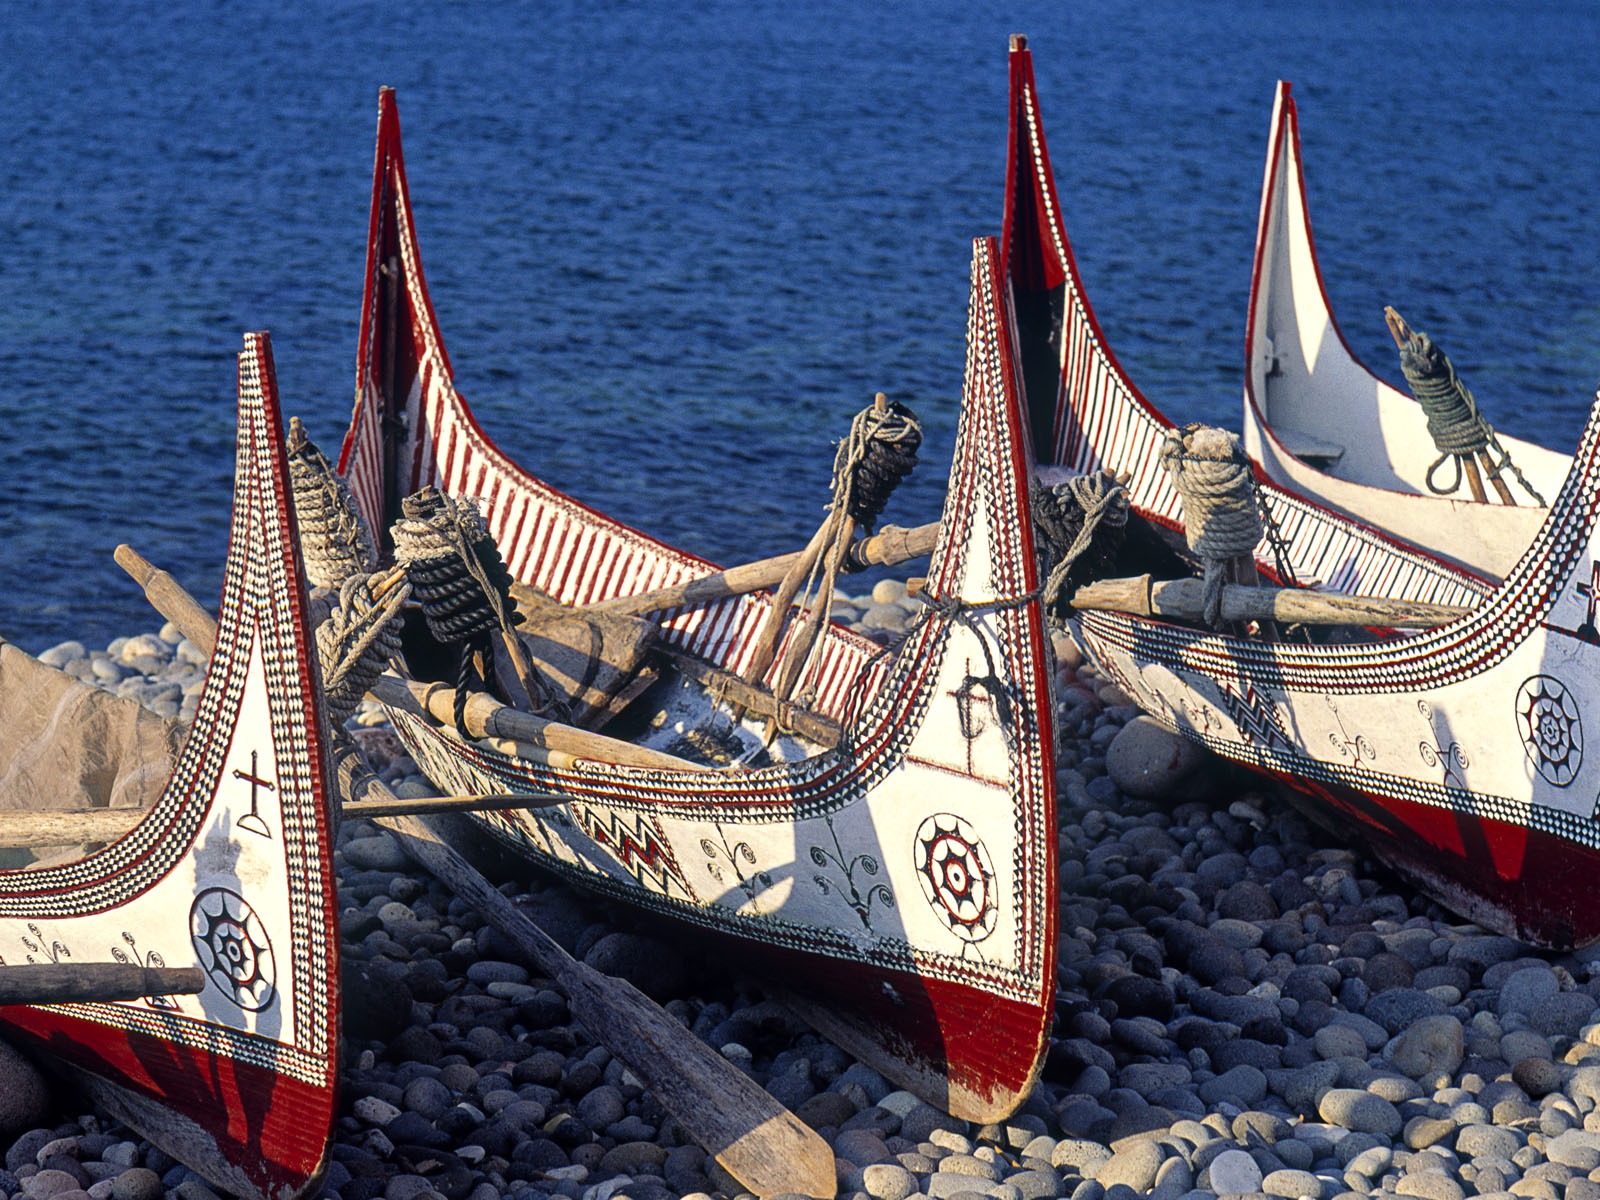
1552	733
956	876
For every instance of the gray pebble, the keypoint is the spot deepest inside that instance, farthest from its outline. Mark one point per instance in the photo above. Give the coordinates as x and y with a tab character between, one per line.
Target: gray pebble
1292	1184
1430	1185
1134	1165
1234	1173
137	1183
887	1181
1359	1111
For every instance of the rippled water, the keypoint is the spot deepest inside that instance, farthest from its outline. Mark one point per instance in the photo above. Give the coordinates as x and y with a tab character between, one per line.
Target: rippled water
674	248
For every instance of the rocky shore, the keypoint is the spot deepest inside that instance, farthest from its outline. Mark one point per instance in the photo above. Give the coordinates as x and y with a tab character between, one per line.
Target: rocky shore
1247	1007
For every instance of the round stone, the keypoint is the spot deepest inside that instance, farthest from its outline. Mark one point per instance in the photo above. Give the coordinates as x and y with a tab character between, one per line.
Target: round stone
1146	760
1234	1173
1359	1111
1292	1184
888	1181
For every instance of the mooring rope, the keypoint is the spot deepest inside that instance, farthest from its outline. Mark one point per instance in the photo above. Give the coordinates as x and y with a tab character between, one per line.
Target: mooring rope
1217	487
335	541
1087	512
1458	429
879	451
358	640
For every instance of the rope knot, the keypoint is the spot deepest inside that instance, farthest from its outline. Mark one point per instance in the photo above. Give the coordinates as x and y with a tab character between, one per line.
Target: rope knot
1217	487
358	639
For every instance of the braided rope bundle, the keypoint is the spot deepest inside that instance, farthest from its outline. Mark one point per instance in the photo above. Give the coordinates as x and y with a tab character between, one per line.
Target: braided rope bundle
334	538
880	451
357	641
453	565
1217	487
1458	429
1081	525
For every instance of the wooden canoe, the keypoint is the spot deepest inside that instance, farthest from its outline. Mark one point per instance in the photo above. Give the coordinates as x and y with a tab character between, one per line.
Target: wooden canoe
900	887
1457	753
1322	425
229	870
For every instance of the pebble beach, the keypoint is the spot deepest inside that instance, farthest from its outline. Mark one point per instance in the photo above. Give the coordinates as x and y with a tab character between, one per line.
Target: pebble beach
1247	1006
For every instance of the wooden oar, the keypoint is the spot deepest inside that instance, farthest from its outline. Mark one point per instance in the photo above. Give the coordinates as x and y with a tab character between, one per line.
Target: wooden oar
1184	599
888	548
74	983
70	826
756	1139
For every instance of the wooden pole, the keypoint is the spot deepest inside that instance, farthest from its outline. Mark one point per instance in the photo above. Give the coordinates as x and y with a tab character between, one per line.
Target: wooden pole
83	983
1500	486
812	726
69	826
486	717
169	599
1184	599
889	548
755	1139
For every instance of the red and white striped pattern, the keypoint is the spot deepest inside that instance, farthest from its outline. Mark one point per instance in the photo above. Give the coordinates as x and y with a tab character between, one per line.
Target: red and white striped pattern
1101	420
549	540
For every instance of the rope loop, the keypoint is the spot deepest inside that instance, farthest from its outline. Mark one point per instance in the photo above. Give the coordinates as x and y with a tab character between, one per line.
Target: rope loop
880	451
1458	429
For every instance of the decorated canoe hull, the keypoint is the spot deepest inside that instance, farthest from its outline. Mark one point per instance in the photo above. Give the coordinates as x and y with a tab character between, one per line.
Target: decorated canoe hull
900	887
1321	424
230	870
1456	752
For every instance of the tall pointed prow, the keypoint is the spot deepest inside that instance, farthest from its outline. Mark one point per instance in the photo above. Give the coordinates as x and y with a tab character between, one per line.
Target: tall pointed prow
896	883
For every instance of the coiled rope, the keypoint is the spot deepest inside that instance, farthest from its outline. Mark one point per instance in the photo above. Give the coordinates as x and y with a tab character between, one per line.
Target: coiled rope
1081	525
1458	429
460	580
334	538
1220	518
869	464
359	638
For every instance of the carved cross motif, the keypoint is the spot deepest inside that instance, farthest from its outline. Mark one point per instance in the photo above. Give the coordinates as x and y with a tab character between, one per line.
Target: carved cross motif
252	821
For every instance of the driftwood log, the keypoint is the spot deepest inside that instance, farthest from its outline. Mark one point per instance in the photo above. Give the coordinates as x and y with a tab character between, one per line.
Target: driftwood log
1184	599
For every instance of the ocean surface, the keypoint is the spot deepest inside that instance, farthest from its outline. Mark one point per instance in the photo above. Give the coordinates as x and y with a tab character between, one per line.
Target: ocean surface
674	247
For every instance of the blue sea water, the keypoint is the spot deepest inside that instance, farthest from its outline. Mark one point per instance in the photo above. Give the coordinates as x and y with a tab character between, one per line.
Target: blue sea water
674	247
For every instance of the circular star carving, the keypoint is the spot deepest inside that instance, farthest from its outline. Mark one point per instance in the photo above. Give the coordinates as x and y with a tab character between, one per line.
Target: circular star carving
234	948
956	876
1550	727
